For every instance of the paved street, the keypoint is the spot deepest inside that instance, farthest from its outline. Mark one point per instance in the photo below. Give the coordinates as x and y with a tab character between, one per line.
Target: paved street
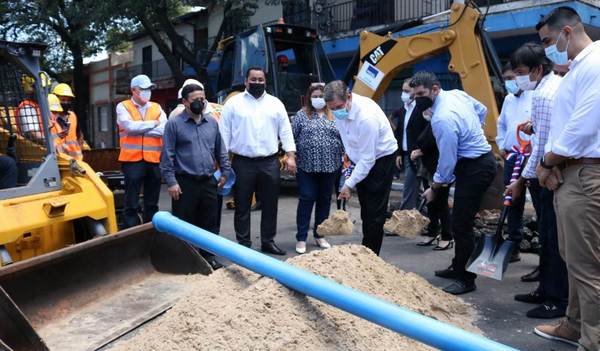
501	318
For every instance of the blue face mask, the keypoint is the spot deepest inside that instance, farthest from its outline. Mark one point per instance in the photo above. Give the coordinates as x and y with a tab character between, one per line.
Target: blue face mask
341	113
558	57
511	86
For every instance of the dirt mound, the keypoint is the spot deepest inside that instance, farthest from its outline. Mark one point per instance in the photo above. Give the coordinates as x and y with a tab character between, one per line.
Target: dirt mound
406	223
338	223
235	309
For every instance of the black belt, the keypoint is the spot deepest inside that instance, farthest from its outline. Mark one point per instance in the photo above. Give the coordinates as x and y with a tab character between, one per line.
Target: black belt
579	161
261	158
198	178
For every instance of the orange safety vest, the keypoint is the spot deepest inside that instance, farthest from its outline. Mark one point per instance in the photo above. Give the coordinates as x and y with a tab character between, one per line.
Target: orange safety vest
216	110
140	147
69	144
35	126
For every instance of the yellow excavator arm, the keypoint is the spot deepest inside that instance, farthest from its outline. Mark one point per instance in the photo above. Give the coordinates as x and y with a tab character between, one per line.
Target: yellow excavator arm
382	57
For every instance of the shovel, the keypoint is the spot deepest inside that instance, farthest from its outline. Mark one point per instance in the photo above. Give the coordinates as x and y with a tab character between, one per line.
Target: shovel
492	254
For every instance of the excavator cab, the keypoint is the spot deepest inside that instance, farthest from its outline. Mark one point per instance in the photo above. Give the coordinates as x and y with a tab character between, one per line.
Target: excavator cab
292	56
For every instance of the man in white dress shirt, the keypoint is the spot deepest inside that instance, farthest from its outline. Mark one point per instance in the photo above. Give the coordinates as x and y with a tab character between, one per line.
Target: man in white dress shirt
252	123
370	144
141	126
571	167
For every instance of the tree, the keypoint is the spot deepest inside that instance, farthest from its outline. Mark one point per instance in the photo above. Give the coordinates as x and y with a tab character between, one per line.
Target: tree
73	29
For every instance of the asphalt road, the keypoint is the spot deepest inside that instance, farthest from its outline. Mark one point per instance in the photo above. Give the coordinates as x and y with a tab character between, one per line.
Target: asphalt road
501	318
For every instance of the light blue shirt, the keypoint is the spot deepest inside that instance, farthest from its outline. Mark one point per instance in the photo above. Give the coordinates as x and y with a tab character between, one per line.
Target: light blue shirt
457	123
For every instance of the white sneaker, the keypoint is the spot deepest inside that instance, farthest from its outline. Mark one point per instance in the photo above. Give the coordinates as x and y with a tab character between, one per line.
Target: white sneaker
322	243
301	247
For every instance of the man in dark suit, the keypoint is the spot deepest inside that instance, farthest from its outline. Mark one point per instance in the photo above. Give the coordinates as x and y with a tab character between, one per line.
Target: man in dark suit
410	125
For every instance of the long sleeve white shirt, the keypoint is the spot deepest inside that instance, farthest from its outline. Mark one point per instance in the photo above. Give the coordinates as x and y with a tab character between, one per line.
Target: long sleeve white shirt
132	127
515	110
575	129
253	127
366	135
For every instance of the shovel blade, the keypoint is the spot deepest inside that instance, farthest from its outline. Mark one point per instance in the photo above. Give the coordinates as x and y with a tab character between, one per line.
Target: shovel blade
490	258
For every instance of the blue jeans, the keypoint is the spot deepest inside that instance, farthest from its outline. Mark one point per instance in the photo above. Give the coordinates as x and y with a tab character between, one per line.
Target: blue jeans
313	187
515	212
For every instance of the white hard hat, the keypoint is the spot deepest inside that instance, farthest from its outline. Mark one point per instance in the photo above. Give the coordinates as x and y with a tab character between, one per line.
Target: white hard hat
188	82
142	81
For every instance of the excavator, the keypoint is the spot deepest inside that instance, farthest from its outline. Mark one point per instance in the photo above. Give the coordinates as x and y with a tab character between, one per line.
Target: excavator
82	285
472	56
68	279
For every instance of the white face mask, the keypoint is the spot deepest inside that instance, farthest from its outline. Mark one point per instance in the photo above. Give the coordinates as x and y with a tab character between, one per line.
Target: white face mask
405	97
525	83
317	103
145	95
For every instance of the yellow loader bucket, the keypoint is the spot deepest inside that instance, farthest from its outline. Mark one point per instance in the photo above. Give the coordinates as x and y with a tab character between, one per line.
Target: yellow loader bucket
85	296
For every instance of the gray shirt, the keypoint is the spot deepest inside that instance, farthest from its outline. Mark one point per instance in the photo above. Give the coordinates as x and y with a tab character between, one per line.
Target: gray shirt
192	148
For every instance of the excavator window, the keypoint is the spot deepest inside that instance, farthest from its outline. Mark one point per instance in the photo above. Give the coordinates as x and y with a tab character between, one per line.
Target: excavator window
22	130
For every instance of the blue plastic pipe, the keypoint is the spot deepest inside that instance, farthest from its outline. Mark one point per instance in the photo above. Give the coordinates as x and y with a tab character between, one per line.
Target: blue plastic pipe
416	326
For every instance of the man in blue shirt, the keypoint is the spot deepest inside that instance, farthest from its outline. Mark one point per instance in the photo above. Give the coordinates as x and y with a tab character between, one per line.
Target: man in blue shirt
192	148
465	159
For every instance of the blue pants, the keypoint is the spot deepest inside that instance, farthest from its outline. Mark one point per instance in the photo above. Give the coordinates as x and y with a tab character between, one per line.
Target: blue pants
8	172
138	174
313	188
515	212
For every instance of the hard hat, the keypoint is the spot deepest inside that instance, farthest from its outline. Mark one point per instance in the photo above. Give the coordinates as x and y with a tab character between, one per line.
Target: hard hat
54	103
63	89
142	81
188	82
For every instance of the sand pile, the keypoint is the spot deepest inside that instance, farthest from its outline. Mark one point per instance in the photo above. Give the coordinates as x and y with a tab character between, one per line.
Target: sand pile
338	223
406	223
235	309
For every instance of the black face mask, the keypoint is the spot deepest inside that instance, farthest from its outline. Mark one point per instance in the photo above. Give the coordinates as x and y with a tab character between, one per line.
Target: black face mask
66	106
197	106
256	89
423	102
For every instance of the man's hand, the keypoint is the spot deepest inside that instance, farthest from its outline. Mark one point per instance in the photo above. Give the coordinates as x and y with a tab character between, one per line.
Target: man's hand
542	174
345	194
175	191
429	195
415	154
399	162
290	163
555	179
526	127
503	153
515	189
221	183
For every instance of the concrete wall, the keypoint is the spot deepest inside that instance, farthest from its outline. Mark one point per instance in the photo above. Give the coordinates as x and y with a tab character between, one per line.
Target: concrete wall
184	29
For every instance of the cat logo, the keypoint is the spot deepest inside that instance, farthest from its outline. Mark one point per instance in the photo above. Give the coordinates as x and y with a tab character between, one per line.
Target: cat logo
376	55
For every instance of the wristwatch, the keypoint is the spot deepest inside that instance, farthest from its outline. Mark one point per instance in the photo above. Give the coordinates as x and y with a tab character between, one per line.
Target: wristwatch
544	165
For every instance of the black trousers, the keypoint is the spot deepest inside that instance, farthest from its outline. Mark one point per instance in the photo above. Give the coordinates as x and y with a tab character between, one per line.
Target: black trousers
473	177
373	196
260	175
439	214
138	174
8	172
197	203
554	281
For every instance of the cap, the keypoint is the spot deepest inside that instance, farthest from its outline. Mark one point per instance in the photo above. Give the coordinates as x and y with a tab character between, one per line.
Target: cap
142	81
188	82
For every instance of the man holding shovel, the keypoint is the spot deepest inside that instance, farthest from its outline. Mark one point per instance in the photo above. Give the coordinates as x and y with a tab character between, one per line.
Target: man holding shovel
465	159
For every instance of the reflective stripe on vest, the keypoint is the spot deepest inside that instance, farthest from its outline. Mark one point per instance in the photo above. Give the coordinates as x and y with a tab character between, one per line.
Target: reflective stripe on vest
70	143
140	147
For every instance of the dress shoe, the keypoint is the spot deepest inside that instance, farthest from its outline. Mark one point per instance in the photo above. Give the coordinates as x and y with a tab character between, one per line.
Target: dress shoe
301	247
561	332
533	297
322	243
272	249
429	242
448	273
532	277
460	287
214	263
547	310
515	256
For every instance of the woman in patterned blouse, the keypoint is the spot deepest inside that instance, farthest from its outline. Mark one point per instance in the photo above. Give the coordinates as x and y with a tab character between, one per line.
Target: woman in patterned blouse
319	154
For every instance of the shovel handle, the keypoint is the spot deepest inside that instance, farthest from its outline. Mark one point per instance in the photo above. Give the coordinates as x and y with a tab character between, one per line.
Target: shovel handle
501	221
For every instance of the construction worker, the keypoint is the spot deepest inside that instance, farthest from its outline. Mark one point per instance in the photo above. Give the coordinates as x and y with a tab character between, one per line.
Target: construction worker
64	122
28	116
141	126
